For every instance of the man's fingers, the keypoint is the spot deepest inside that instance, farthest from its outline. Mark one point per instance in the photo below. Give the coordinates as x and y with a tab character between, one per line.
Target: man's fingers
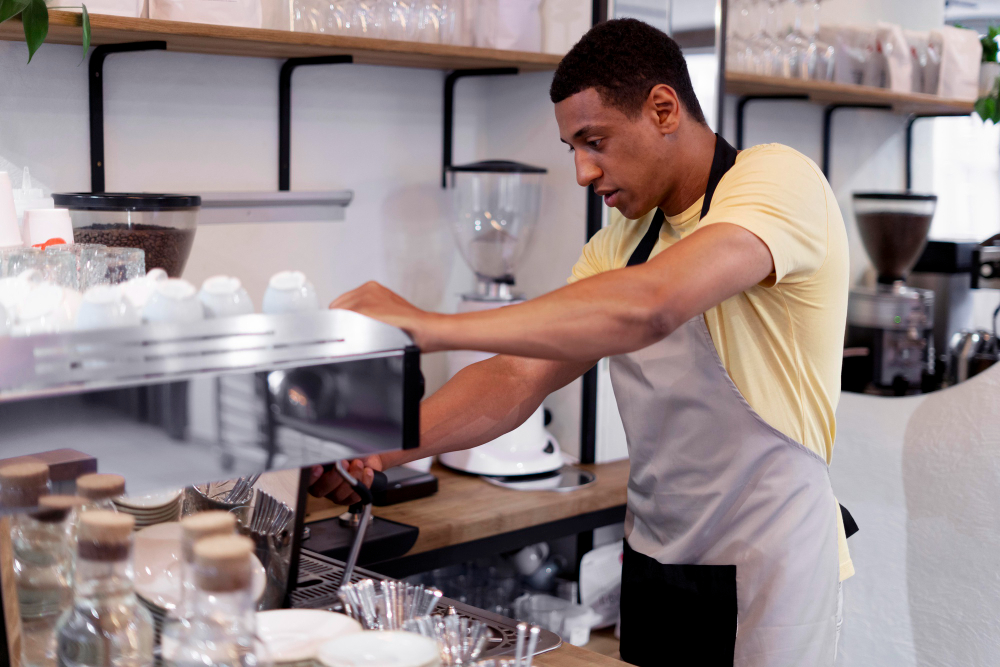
369	477
314	474
326	484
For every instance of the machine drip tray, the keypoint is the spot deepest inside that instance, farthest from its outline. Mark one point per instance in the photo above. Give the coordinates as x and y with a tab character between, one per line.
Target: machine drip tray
319	579
384	540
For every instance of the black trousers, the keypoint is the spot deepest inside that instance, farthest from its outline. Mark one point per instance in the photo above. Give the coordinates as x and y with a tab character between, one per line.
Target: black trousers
677	614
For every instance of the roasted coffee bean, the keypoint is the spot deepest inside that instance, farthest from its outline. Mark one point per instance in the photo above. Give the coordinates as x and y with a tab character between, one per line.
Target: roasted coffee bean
166	247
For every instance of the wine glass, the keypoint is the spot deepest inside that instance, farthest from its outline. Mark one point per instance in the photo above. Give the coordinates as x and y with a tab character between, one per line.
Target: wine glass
392	19
822	56
738	45
309	16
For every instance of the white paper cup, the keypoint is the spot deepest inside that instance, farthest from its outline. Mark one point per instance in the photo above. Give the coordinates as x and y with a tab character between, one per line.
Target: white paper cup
105	307
10	233
46	225
224	296
289	292
173	300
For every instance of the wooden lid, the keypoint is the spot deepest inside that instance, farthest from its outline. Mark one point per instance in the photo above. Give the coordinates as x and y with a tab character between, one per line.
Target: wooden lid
56	508
59	502
205	524
22	484
105	535
100	486
222	563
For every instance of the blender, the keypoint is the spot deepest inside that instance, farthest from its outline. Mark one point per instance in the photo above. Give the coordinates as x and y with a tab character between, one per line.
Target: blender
494	211
890	327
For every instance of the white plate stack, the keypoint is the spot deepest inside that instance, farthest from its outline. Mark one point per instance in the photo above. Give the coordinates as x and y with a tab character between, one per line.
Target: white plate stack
293	636
152	508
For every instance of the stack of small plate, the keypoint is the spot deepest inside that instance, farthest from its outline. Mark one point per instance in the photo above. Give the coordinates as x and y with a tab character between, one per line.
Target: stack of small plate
152	508
293	636
384	649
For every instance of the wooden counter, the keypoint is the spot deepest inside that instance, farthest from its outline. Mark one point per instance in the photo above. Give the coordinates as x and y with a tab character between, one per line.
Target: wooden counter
466	508
568	655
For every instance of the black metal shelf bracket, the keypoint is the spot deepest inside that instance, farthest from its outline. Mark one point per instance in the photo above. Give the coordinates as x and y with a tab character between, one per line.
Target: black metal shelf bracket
96	80
828	127
449	110
909	139
285	111
741	104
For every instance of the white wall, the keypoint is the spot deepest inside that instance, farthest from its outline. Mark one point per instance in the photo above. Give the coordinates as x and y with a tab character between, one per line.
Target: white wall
190	123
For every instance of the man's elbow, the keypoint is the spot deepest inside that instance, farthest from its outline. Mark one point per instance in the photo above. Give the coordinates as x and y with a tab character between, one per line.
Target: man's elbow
659	323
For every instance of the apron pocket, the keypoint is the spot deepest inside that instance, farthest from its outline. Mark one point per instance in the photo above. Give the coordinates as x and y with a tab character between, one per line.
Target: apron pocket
677	614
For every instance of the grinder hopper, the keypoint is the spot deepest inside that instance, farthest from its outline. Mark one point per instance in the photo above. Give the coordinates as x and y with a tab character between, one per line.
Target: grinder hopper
893	228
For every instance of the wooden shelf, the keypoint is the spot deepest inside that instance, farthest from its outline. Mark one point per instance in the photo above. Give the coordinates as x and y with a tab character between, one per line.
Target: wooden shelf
64	28
824	92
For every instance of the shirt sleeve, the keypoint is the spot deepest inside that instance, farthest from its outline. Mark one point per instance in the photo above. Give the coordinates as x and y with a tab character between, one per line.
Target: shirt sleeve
595	258
780	196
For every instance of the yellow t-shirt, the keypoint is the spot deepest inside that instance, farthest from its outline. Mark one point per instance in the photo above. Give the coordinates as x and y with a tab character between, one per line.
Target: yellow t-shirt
782	340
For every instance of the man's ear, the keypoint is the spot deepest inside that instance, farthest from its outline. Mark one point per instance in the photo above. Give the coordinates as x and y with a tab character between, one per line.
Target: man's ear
664	108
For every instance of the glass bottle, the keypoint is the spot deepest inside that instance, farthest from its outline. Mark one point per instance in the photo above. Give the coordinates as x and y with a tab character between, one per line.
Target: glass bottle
100	489
221	625
106	625
43	573
193	528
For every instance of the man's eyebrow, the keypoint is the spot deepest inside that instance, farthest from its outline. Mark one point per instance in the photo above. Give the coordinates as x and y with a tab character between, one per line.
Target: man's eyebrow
586	129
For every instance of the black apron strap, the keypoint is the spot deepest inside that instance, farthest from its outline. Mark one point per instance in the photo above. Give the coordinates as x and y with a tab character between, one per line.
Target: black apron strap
723	161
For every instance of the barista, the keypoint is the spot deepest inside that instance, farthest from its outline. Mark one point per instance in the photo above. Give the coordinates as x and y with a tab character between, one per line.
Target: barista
719	290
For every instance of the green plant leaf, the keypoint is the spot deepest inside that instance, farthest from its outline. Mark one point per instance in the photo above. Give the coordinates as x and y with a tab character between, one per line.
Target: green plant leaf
86	30
11	8
36	25
988	109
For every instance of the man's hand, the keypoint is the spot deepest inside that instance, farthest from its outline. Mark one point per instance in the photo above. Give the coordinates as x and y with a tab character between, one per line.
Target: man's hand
383	304
335	487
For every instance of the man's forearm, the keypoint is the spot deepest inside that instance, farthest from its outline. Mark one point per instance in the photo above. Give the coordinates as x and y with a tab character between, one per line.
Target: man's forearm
482	402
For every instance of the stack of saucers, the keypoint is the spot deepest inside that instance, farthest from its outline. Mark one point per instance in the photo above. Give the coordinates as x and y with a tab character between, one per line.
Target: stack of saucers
152	508
293	636
385	649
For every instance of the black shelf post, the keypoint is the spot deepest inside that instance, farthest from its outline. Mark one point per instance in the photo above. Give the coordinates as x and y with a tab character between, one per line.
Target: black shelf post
96	79
285	111
448	136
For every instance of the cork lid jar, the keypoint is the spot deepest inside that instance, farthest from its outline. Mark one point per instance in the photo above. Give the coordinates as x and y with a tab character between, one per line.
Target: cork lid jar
22	484
104	535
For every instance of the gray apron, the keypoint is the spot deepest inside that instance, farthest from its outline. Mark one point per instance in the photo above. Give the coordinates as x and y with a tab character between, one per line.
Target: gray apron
731	531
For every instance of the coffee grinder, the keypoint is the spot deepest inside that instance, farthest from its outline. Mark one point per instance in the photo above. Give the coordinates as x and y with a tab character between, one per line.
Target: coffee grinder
494	211
890	327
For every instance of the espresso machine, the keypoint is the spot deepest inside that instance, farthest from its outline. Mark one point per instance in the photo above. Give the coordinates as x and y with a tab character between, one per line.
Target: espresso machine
889	347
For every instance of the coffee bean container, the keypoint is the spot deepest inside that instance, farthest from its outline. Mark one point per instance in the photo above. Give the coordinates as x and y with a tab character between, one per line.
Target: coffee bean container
160	224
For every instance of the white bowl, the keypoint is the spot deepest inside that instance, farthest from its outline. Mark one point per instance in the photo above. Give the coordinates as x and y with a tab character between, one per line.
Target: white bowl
158	566
224	296
380	649
289	292
138	290
295	635
45	308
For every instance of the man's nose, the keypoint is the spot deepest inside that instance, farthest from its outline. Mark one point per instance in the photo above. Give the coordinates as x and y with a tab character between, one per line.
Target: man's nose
586	171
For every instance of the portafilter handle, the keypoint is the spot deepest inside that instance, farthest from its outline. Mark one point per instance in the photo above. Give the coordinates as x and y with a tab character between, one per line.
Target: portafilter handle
379	482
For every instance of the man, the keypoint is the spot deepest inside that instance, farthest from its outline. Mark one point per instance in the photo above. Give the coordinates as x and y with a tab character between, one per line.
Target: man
720	293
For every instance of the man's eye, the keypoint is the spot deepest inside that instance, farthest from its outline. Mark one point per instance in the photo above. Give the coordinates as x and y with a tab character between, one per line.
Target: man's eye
594	143
570	149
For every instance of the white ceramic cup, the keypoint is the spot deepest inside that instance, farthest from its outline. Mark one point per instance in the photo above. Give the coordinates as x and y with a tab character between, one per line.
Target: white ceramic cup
46	308
289	292
173	300
224	296
42	225
105	307
138	290
530	558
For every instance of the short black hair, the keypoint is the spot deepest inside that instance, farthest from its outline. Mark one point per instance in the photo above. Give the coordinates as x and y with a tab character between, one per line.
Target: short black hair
623	59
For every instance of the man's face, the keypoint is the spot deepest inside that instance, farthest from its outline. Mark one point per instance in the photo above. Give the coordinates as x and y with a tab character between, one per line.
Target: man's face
621	157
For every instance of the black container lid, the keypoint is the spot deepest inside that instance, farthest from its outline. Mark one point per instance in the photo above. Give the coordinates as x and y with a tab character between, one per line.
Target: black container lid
498	167
946	257
906	196
123	201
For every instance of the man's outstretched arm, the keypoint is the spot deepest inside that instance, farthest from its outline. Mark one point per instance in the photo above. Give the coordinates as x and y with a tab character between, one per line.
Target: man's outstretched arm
482	402
611	313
